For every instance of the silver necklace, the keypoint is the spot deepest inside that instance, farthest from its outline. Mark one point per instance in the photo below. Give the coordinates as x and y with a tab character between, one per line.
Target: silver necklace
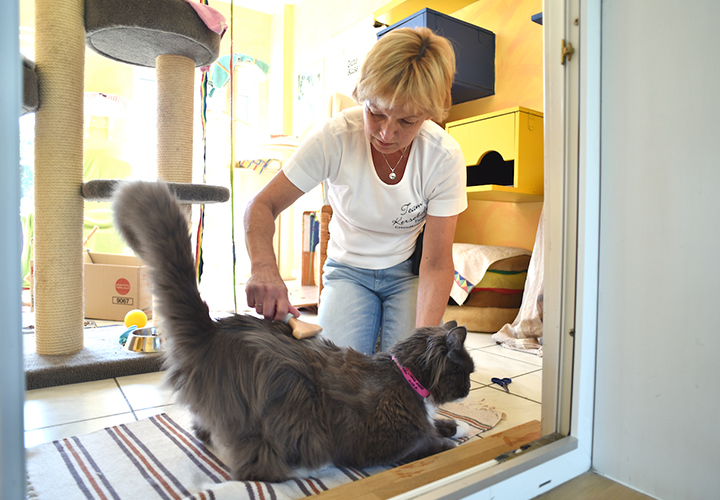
392	174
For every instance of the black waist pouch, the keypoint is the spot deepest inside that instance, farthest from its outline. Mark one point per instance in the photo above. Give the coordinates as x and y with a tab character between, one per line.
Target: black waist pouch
416	257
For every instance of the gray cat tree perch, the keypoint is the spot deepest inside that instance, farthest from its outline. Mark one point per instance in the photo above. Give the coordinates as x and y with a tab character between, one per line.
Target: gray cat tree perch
103	189
165	34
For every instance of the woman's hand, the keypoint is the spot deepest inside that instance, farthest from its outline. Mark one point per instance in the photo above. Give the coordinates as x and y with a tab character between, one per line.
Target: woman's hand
265	290
268	294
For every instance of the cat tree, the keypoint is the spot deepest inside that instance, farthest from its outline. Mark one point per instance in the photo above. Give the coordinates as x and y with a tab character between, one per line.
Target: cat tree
165	34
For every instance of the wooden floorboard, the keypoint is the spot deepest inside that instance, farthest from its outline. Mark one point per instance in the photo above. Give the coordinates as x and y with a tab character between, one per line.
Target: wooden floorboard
416	474
592	486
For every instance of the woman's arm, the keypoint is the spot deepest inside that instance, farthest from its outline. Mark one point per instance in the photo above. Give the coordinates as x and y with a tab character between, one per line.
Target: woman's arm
266	290
436	270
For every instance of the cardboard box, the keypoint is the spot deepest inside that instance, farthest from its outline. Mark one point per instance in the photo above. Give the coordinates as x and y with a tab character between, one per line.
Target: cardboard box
114	285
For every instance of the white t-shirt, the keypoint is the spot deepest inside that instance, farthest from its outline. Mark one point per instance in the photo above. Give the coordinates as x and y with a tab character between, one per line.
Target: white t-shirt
375	225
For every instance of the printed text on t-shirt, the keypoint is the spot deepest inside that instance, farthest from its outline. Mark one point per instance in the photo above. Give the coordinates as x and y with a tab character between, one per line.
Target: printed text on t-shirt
411	215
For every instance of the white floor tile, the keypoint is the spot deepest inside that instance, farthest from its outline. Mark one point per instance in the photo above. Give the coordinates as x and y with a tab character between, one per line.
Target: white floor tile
527	357
526	386
479	340
48	434
475	385
489	365
72	403
157	410
146	390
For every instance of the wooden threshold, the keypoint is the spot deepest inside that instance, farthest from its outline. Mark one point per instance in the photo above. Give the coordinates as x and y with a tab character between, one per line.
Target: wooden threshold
416	474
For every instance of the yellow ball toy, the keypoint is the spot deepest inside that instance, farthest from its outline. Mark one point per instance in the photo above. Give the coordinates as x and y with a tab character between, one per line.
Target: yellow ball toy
135	317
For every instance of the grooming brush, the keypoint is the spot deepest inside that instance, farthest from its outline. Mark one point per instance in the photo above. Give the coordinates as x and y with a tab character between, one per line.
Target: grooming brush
301	329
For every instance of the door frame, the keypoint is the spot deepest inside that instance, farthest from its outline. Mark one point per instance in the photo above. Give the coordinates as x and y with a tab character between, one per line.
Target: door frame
12	376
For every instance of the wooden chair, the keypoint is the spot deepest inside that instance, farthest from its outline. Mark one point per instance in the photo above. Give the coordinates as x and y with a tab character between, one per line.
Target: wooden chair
325	216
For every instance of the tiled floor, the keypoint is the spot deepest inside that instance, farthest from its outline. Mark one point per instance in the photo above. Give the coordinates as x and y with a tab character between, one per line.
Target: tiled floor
69	410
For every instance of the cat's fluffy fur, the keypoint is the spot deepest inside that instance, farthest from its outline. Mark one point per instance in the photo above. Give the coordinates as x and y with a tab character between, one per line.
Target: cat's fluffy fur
271	404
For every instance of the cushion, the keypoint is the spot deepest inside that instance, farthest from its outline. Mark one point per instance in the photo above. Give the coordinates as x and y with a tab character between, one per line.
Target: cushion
489	298
502	281
472	263
517	263
481	319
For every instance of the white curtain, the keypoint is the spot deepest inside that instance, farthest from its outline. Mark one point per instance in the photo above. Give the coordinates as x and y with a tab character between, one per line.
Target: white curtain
525	333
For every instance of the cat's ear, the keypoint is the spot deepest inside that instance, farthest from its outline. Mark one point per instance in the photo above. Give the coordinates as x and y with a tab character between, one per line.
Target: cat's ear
456	338
449	325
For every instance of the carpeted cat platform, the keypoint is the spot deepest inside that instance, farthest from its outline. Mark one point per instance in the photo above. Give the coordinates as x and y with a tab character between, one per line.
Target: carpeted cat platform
103	189
102	357
138	31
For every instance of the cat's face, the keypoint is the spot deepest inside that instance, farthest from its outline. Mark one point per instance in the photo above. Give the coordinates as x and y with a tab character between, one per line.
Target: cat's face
453	383
440	356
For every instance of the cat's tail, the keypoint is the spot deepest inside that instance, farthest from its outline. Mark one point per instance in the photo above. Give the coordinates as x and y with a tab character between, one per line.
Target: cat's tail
152	222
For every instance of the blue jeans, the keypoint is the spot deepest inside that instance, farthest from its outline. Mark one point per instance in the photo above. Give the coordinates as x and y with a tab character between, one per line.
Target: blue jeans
358	305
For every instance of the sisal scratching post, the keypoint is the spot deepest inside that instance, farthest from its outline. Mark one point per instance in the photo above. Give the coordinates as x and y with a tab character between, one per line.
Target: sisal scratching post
175	93
58	232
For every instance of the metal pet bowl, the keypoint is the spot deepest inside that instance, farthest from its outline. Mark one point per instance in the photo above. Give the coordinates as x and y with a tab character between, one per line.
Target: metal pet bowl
144	340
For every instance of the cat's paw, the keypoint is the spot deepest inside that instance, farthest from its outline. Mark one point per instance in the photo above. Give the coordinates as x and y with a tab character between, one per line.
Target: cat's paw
463	430
447	428
202	434
448	444
303	472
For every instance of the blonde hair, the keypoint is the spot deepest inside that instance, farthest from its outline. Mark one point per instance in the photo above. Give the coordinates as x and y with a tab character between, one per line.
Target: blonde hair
409	67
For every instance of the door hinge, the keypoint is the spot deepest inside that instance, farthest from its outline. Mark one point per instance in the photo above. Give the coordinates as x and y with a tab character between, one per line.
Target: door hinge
566	52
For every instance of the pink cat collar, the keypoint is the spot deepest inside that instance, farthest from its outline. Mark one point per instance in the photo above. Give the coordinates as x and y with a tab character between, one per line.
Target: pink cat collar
414	383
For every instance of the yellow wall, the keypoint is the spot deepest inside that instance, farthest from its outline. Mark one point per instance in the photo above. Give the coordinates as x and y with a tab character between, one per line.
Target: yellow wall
319	28
251	33
501	224
518	82
518	55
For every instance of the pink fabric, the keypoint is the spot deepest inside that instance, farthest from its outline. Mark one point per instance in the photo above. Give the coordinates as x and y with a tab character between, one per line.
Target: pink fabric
212	18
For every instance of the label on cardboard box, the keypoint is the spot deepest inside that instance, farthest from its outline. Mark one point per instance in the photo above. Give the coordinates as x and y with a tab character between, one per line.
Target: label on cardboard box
114	285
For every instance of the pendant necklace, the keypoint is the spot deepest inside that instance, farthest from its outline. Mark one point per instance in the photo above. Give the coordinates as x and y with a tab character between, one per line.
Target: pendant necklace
392	174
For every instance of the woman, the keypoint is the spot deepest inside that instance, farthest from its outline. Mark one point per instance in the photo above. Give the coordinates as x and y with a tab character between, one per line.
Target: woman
390	172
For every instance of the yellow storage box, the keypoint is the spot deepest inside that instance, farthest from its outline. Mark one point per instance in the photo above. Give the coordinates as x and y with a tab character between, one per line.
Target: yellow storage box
504	154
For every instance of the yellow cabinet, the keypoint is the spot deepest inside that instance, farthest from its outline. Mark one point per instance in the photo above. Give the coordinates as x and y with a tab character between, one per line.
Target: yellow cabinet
504	154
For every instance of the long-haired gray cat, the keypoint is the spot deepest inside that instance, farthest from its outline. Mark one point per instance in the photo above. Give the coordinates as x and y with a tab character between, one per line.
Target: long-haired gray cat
271	404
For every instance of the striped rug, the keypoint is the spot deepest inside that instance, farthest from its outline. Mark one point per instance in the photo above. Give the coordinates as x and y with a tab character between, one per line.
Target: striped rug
160	458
